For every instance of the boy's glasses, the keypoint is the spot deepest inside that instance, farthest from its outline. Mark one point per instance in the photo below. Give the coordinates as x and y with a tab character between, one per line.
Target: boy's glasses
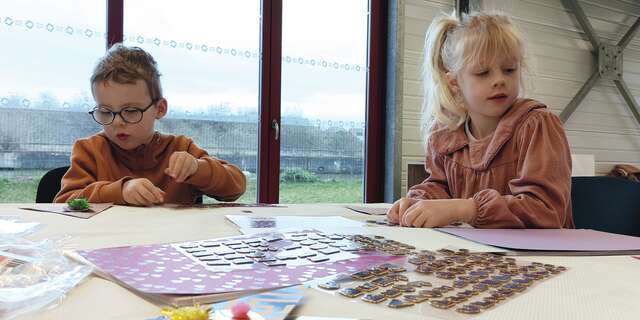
130	115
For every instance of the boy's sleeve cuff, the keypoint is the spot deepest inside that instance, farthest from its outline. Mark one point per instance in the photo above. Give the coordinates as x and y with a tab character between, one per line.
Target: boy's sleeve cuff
112	192
202	177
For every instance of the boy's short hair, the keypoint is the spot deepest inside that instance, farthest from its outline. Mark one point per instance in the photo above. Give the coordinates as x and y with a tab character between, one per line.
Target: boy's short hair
125	65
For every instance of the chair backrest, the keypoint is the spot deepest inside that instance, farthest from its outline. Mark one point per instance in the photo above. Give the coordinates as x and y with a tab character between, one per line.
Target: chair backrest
49	185
606	204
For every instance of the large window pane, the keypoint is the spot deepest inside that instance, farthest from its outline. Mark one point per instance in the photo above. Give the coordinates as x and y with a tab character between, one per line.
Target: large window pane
207	52
49	49
324	49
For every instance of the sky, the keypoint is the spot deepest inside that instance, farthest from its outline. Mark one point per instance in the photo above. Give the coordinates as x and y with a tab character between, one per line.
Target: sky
207	51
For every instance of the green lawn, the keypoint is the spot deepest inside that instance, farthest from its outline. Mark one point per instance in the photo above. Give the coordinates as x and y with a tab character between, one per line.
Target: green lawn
21	188
16	191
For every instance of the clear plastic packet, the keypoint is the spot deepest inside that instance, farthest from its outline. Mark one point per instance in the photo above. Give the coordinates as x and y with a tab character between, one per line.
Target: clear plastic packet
34	275
10	225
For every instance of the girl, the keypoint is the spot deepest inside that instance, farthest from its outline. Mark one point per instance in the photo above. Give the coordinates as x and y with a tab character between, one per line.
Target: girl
494	160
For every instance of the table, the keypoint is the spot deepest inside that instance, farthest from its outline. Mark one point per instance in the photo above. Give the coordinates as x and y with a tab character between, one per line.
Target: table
593	287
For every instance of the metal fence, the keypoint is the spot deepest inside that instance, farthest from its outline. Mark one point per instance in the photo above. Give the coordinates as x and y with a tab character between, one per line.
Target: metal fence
42	139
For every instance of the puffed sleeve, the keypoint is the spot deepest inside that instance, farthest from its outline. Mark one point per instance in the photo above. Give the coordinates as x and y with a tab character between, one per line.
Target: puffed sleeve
541	194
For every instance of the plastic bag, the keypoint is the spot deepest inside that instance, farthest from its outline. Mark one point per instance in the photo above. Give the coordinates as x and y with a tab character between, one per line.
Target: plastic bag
34	275
10	225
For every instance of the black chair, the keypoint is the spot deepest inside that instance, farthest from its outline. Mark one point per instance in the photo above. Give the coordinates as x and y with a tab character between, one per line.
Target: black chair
606	204
49	185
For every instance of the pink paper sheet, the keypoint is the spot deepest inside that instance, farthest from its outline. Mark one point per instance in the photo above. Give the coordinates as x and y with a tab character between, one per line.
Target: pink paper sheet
548	239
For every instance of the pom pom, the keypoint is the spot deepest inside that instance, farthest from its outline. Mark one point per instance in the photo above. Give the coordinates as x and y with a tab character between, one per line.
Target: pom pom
240	310
186	313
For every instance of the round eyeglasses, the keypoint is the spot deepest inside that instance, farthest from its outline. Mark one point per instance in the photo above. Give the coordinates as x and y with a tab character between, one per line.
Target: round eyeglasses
132	115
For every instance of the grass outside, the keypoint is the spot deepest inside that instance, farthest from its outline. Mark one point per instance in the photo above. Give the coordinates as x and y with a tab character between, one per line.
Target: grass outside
20	187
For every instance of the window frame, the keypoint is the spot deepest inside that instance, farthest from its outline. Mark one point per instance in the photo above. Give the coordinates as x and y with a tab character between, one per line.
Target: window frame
270	96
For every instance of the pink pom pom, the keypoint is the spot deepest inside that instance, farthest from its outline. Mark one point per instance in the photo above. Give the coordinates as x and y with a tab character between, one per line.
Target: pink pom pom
240	310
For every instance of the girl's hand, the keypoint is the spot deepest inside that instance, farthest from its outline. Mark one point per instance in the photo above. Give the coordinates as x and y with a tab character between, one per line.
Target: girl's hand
182	165
435	213
142	192
399	208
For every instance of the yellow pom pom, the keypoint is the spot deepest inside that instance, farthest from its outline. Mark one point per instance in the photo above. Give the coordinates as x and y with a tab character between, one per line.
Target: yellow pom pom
187	313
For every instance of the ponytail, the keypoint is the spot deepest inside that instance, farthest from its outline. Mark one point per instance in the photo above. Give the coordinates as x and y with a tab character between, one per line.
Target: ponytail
440	104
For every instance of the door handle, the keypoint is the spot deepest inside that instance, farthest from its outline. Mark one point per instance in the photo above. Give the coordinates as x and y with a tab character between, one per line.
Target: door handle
275	126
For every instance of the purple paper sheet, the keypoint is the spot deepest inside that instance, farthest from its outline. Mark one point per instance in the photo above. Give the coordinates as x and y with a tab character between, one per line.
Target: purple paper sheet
548	239
160	268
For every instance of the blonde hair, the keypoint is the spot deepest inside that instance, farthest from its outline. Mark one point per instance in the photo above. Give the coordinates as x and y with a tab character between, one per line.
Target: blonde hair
125	65
451	44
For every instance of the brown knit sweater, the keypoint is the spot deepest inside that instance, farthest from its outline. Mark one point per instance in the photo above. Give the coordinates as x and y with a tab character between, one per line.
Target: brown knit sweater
99	169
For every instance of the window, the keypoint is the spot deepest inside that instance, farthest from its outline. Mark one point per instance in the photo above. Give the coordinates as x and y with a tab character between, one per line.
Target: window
324	74
208	54
48	52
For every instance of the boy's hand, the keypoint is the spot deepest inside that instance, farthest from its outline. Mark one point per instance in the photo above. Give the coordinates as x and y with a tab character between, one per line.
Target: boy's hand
182	165
141	192
432	213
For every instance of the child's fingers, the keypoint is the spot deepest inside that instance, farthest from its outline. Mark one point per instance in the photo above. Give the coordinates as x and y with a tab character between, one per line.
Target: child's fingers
404	205
171	169
407	218
392	214
412	212
147	191
159	194
179	166
136	198
189	166
147	196
416	216
183	171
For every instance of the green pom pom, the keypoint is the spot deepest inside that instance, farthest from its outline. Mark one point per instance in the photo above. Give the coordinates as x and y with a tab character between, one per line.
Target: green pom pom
78	204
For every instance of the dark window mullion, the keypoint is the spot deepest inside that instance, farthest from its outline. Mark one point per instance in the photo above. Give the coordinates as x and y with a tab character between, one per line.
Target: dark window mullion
376	90
115	22
270	80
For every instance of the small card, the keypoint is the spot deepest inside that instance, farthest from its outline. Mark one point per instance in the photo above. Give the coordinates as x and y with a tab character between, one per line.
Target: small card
63	208
229	205
377	211
301	222
272	305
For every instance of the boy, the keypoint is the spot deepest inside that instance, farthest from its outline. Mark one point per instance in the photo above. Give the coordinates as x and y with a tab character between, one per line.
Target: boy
130	163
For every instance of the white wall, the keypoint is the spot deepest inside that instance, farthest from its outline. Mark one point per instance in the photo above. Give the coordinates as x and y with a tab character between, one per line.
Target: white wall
561	61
